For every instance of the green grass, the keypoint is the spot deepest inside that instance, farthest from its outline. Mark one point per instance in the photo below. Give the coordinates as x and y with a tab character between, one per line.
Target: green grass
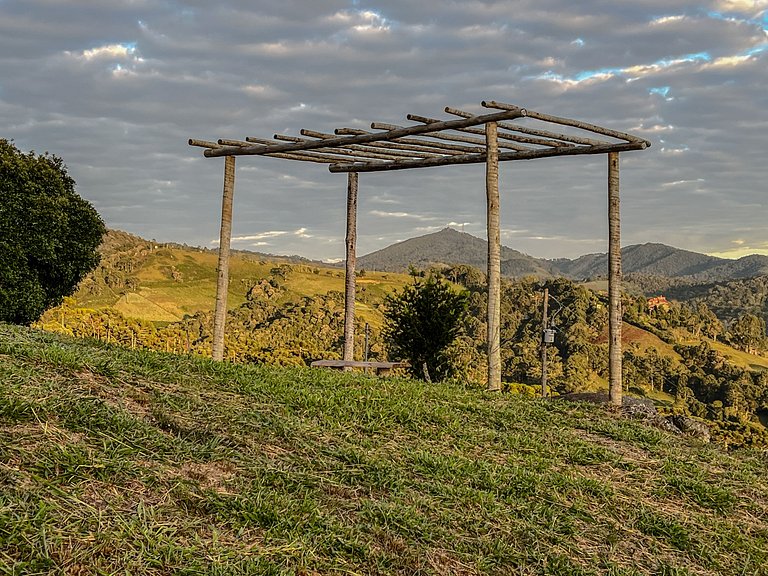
121	462
740	358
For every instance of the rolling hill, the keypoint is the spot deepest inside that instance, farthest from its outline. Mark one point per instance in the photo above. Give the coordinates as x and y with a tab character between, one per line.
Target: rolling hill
165	282
449	246
159	297
667	262
654	259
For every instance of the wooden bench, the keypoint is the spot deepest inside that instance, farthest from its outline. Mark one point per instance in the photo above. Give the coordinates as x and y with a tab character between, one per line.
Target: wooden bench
381	368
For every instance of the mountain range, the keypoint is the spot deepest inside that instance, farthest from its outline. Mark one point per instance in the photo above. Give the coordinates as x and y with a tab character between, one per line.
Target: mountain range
450	246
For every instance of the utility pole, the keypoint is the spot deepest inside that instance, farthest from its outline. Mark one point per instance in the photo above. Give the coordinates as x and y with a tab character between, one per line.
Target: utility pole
544	321
367	336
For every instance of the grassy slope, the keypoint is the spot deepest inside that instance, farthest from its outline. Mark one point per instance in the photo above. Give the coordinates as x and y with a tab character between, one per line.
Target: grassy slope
160	298
114	462
739	358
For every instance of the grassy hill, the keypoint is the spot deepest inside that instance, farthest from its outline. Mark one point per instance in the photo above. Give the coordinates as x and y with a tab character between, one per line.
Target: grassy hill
115	461
164	282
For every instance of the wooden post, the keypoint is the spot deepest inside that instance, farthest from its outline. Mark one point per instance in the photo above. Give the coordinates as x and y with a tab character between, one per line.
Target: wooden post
222	285
614	282
349	286
494	257
544	345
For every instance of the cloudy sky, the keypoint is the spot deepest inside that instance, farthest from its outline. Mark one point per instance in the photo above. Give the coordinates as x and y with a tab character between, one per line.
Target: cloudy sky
116	87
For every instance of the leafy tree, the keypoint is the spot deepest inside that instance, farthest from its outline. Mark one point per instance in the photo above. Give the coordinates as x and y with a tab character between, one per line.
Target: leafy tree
48	234
748	332
421	322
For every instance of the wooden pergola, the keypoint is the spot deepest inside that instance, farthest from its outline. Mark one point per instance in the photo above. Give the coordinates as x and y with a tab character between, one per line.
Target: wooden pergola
466	138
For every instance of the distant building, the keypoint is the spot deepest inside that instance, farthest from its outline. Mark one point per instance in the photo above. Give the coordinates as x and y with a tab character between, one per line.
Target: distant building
658	302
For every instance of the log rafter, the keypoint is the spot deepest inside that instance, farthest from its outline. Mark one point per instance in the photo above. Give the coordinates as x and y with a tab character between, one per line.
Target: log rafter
522	135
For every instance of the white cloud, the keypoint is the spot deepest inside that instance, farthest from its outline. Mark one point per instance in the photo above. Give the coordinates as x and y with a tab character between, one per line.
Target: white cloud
662	20
110	51
407	215
730	61
361	21
260	236
744	6
260	91
736	253
682	182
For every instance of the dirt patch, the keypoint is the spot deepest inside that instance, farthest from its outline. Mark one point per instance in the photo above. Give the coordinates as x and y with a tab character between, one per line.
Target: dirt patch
445	562
121	498
210	475
627	451
125	396
29	435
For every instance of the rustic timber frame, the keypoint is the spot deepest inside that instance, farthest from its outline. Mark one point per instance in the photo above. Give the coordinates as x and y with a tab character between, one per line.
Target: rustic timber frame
506	133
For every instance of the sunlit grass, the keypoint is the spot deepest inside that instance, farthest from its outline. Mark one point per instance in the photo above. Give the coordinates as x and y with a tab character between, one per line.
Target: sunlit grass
115	462
161	298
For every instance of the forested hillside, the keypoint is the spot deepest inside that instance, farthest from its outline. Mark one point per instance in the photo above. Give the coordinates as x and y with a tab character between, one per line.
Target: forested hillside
662	260
729	300
147	295
450	247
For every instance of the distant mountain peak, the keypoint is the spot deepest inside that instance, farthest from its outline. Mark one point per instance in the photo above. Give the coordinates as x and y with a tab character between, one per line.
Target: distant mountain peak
448	247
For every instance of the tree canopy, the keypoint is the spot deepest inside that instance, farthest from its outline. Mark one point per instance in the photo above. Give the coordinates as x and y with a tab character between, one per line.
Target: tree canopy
747	332
48	234
421	322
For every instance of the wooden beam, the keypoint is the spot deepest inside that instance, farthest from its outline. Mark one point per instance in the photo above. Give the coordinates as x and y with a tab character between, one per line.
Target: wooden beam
359	156
525	139
478	142
478	158
336	154
532	131
202	143
349	284
222	283
494	258
406	142
507	114
614	282
501	135
469	130
366	149
313	156
569	122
